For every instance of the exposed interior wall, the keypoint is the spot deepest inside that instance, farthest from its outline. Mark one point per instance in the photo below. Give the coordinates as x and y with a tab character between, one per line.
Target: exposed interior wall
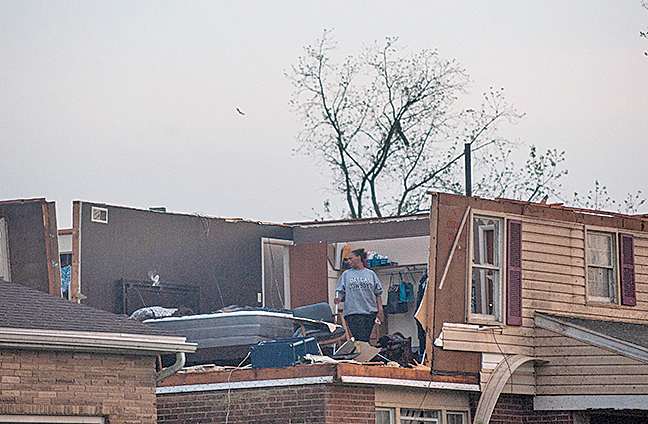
118	387
404	240
33	243
450	300
222	257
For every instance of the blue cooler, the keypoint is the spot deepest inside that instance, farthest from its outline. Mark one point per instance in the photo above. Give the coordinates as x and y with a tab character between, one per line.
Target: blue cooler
282	352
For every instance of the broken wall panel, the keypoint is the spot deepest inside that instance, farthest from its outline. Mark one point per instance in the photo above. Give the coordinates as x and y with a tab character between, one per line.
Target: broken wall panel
221	256
33	243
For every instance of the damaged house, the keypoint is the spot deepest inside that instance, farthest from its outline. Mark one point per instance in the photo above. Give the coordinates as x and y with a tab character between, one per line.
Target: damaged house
533	313
529	312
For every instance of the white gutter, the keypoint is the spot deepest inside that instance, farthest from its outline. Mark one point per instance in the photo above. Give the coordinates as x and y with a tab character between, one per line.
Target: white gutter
316	380
93	341
410	383
244	385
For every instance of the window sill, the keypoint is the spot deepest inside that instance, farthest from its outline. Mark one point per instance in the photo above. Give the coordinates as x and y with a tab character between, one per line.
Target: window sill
603	304
484	320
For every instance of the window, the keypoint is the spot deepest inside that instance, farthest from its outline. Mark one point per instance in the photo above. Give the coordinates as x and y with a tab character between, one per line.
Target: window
419	416
384	416
456	417
605	253
99	215
601	269
486	267
496	270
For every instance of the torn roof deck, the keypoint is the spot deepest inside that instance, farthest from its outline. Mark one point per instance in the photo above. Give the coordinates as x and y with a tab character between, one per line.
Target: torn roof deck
206	379
187	214
626	338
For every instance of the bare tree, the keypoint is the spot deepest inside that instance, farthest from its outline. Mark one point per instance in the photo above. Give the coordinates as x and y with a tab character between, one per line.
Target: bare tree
390	129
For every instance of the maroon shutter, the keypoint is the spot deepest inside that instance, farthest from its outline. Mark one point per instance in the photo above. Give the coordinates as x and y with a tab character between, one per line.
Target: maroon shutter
514	273
628	294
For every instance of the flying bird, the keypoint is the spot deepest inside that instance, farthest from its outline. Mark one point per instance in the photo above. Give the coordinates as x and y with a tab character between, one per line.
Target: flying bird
239	111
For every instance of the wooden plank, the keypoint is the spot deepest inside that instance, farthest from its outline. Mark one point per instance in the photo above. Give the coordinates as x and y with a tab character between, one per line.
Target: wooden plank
538	246
592	360
554	240
586	368
555	297
593	380
641	260
578	389
488	347
553	259
562	342
544	267
530	275
542	286
551	351
551	228
487	337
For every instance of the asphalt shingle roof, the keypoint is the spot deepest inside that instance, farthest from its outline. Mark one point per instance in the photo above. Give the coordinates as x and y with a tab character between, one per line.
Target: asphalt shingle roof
26	308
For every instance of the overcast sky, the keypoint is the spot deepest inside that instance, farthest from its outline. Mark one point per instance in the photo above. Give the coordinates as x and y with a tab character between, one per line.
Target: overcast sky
134	103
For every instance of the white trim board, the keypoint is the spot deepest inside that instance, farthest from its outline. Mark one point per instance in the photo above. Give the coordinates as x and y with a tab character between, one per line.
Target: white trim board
93	341
255	384
583	402
410	383
317	380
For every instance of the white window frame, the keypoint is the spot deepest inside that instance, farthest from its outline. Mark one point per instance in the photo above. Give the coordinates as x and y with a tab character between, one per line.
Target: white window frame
97	210
396	414
407	420
392	415
464	416
498	300
286	269
5	263
615	284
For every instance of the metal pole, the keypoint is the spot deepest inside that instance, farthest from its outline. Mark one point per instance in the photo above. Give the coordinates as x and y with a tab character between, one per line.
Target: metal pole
468	169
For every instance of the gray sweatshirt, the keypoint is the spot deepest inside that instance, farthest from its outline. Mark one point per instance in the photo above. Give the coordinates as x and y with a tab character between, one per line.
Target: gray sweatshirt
359	289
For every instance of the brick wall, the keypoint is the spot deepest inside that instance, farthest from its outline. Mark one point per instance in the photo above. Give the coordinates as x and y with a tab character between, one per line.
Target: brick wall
308	404
119	387
518	409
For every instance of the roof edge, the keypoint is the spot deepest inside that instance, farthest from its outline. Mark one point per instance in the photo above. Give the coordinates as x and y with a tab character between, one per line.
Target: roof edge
93	341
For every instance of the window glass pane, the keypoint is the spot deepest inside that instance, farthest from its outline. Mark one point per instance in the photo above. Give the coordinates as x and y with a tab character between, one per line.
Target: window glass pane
485	292
456	417
384	416
419	416
601	269
486	241
601	284
599	249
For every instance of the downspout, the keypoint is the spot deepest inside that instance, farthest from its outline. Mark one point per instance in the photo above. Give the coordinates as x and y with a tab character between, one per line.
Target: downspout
169	371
